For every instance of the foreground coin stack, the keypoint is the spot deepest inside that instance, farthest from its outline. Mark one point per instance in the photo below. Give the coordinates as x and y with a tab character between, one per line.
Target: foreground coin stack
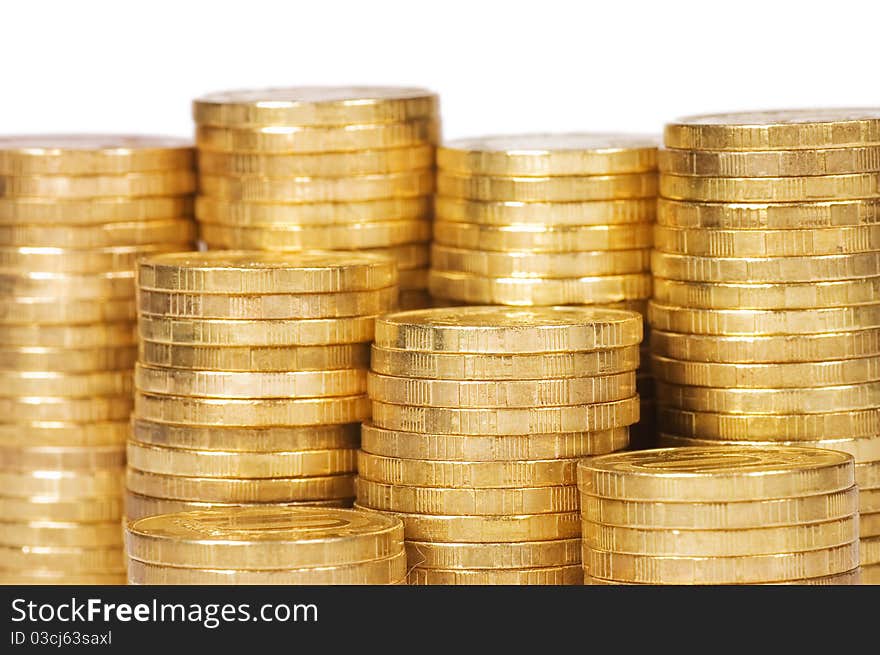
332	168
766	311
266	546
479	417
251	381
76	211
720	515
548	219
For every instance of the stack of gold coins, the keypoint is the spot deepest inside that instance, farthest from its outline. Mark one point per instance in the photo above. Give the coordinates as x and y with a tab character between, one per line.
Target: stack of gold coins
334	168
479	416
548	219
251	381
76	211
720	515
766	312
266	546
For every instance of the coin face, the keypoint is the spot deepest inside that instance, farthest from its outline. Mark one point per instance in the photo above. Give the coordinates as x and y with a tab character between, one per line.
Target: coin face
541	143
785	116
290	96
57	143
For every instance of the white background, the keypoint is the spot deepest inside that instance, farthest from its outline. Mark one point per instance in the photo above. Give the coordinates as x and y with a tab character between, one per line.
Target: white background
498	66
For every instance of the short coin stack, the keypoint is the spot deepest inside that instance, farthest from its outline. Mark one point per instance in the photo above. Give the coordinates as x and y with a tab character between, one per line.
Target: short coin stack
547	219
766	311
333	168
76	211
252	377
479	416
266	546
720	515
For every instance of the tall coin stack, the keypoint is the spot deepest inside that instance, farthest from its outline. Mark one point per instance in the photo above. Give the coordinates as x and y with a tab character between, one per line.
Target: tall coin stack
252	377
334	168
266	546
479	417
76	211
766	313
548	219
720	515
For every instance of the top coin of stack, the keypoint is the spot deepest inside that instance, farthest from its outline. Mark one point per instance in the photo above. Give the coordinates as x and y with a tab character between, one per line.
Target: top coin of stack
334	168
266	545
720	515
479	416
766	313
76	212
252	376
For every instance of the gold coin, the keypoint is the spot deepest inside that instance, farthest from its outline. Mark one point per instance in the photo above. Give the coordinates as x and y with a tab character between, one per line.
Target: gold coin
354	188
50	458
488	529
778	163
869	525
56	408
239	384
538	155
490	448
723	542
119	284
599	290
563	239
60	509
767	243
279	215
373	572
853	577
68	336
870	574
540	264
330	138
54	578
763	215
566	188
78	311
868	475
139	507
762	322
500	394
315	105
766	376
59	433
259	332
721	515
63	558
330	164
90	260
465	475
248	412
229	490
62	484
91	154
350	236
259	538
837	398
767	296
530	420
247	439
770	189
239	272
571	574
68	360
81	385
869	551
92	211
415	299
152	183
135	233
500	213
529	554
412	280
862	449
748	569
48	533
506	330
709	474
404	362
811	268
869	501
256	306
256	358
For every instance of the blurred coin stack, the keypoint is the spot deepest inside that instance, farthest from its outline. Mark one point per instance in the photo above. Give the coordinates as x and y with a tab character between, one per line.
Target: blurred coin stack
720	515
333	168
548	219
251	380
766	310
479	417
266	546
76	211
